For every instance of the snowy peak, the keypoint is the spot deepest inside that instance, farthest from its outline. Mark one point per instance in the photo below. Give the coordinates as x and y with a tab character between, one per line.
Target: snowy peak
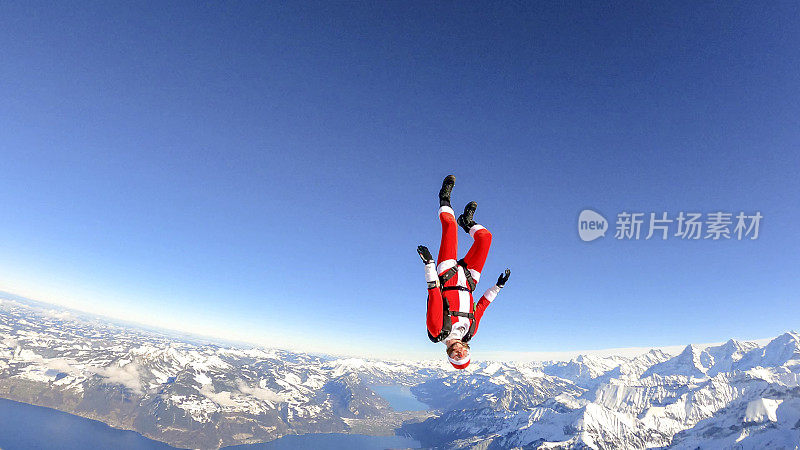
586	371
725	357
689	363
698	362
507	388
783	350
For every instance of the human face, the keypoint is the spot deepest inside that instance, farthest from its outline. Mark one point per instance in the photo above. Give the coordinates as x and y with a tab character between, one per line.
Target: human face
458	350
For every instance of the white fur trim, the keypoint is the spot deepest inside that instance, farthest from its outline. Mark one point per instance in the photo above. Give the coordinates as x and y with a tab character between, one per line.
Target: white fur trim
448	210
430	272
474	229
461	361
491	293
446	264
475	275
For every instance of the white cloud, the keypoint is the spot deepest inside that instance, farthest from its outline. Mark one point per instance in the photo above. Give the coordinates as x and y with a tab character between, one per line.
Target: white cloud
127	375
223	398
260	393
59	364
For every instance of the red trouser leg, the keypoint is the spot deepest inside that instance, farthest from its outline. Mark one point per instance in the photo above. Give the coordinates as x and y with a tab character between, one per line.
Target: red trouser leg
448	249
476	256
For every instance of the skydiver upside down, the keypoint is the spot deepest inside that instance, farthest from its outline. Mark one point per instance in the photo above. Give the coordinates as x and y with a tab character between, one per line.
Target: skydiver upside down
453	316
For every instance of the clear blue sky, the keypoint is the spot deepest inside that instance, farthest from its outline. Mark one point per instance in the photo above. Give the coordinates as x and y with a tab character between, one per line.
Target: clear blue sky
265	170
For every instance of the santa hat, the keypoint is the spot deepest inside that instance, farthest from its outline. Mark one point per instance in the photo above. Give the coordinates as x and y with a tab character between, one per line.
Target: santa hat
459	363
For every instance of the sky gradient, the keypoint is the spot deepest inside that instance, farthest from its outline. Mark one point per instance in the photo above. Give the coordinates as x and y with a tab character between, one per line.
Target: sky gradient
264	172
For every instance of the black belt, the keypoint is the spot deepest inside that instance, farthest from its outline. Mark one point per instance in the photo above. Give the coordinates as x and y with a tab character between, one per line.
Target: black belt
456	288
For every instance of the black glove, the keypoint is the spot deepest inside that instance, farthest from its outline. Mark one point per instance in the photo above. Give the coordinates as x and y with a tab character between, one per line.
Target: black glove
425	254
503	278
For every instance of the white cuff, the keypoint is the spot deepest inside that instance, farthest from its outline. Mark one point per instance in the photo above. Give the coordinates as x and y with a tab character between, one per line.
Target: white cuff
448	210
475	275
491	293
474	229
430	272
446	264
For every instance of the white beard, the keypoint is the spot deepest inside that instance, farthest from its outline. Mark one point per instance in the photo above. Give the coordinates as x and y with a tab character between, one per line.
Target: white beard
458	331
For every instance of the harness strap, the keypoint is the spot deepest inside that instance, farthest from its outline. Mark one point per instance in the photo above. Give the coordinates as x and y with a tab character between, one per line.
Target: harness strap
448	274
446	312
453	270
470	281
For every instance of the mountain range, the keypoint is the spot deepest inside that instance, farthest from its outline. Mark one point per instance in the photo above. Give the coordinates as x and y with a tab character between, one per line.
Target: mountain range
196	393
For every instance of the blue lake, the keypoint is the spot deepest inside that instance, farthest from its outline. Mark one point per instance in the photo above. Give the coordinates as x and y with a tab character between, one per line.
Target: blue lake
333	441
400	398
24	426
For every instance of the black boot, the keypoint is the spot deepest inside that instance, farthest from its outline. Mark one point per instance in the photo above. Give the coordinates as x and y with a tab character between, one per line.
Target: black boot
465	220
447	188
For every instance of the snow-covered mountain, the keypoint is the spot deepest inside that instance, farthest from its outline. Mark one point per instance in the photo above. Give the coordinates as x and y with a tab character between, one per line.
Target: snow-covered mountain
193	393
187	393
735	395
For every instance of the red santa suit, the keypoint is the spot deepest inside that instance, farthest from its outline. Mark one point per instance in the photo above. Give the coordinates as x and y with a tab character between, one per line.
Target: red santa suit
459	300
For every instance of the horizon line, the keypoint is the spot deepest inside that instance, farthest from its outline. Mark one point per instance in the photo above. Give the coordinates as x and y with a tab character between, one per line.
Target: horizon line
492	356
